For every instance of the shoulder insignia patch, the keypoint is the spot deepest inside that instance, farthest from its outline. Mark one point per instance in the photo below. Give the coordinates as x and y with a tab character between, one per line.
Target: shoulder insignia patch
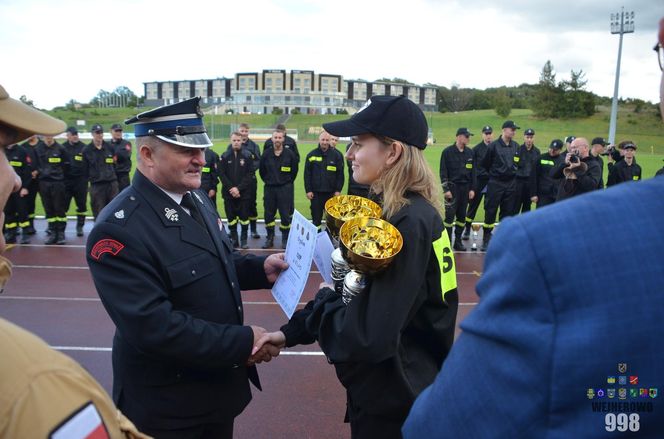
106	246
85	423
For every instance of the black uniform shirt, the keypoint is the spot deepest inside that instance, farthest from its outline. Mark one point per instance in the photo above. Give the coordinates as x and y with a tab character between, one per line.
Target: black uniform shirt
457	166
501	160
236	170
278	170
324	171
479	151
53	162
32	153
541	181
600	162
75	151
527	160
122	150
289	143
99	164
209	173
625	172
18	158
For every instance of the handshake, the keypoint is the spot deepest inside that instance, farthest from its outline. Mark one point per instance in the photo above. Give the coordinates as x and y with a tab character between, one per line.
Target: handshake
267	345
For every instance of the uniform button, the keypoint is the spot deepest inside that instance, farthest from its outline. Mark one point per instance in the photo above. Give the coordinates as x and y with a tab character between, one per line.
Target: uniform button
233	284
132	198
239	308
193	272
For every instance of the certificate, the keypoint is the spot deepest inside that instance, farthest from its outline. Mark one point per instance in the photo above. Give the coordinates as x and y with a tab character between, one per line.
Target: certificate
290	284
323	256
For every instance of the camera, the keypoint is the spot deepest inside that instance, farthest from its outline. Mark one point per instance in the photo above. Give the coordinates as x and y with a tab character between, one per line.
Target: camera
574	158
608	150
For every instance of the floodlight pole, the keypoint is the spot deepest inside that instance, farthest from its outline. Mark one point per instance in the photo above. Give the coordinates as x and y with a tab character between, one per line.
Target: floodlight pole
621	23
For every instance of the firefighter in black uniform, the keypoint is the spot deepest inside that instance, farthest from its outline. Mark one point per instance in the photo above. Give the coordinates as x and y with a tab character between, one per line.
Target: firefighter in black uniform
482	177
597	147
210	175
53	167
16	209
30	146
99	168
76	184
323	176
255	152
289	142
500	162
626	169
236	171
122	150
528	155
457	174
542	185
355	188
278	170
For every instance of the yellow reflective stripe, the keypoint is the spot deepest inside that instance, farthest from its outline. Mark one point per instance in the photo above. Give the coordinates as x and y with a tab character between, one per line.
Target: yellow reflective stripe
459	223
448	280
516	159
635	177
244	223
109	160
11	225
51	220
24	224
469	166
285	169
205	169
331	168
547	162
469	219
270	224
232	223
54	159
488	226
16	164
253	218
315	159
282	227
448	224
78	158
61	218
32	215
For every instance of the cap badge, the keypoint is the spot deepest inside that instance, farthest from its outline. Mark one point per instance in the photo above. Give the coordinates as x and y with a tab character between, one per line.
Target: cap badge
119	214
171	214
366	104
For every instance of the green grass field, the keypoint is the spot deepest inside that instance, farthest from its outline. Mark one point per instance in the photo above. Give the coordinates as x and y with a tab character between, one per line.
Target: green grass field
643	128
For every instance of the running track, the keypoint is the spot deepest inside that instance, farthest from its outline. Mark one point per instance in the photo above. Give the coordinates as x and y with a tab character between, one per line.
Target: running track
51	294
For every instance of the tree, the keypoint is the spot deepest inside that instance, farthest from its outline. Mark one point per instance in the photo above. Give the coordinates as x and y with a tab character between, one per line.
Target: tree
456	98
548	95
502	103
26	101
577	101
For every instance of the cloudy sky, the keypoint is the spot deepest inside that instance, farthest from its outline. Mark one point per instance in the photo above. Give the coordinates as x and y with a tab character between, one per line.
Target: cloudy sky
70	49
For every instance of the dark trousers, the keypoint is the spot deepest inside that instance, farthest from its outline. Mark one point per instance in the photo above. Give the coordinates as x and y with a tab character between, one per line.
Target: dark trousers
101	194
522	195
202	431
251	204
369	426
237	209
53	198
474	204
33	189
457	208
279	198
499	194
318	206
77	189
123	181
16	212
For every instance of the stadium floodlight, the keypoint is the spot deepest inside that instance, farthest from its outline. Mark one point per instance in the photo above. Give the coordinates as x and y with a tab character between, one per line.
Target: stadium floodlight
621	23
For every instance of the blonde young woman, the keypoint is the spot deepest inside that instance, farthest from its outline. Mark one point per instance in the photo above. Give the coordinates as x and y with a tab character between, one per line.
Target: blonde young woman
389	342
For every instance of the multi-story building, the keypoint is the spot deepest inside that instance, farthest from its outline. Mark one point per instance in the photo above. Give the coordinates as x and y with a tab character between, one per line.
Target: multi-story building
294	91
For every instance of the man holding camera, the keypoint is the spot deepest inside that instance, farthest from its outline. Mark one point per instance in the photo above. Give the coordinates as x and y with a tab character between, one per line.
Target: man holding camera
580	171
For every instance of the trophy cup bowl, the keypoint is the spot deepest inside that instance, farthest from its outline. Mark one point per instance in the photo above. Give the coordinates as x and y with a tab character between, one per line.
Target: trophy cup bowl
369	245
342	208
476	227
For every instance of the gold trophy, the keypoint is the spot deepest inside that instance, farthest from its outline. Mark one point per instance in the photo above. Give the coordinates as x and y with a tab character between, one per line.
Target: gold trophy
476	228
341	208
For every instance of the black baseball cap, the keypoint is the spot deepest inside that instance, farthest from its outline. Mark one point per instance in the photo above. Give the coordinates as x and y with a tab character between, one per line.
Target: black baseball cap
463	132
510	124
396	117
487	129
629	145
72	130
598	141
570	139
96	128
529	132
116	126
556	144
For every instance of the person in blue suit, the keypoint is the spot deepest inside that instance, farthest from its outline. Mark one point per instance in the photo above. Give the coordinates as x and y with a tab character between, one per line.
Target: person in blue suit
568	331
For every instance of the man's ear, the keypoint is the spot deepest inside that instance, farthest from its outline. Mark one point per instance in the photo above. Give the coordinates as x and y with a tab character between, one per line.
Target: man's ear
394	152
146	154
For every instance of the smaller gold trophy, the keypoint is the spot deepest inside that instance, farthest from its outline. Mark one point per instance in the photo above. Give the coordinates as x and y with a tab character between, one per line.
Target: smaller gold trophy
476	228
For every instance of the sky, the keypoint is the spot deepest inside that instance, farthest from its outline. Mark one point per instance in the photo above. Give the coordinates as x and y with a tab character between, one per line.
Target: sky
70	49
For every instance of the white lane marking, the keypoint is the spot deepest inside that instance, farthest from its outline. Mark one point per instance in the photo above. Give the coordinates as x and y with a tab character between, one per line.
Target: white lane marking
102	349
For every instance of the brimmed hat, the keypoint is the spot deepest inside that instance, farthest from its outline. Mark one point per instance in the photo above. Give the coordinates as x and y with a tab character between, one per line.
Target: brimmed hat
27	120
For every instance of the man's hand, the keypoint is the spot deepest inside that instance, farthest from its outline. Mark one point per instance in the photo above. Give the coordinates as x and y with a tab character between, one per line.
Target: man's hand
448	195
471	195
24	192
310	195
274	265
212	193
534	199
235	192
337	193
268	346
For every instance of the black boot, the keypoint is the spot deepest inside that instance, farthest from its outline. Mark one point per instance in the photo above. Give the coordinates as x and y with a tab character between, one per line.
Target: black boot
10	236
269	241
254	232
234	237
458	242
284	239
80	222
30	229
52	235
60	233
485	239
466	232
243	236
49	229
25	237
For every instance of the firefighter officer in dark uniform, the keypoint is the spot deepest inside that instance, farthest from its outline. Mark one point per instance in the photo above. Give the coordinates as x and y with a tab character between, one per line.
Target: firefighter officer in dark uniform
626	169
236	171
30	146
170	281
355	188
122	150
500	162
482	177
53	166
278	170
255	151
99	168
528	155
457	174
16	209
543	186
323	176
289	142
210	175
76	183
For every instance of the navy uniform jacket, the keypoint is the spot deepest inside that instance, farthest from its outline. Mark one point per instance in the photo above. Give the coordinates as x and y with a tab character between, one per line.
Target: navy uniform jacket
501	160
173	291
457	167
122	149
75	151
550	325
236	170
209	173
324	171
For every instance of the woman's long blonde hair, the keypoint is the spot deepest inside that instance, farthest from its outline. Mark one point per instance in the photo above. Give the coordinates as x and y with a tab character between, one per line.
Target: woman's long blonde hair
410	173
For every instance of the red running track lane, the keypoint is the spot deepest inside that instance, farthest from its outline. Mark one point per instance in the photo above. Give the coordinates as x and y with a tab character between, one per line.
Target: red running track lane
52	294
